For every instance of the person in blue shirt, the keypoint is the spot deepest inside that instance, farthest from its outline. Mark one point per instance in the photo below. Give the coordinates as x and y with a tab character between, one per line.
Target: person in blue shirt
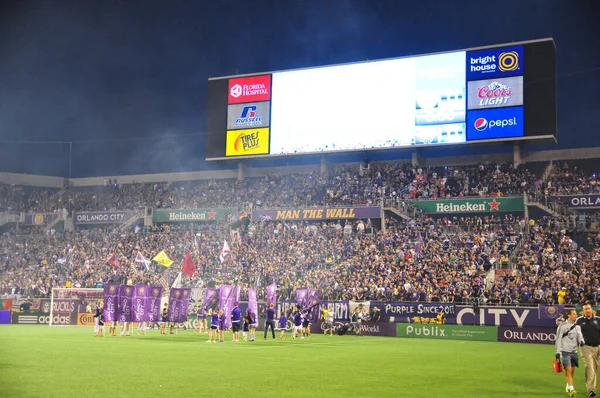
221	326
251	318
282	324
270	321
236	318
214	326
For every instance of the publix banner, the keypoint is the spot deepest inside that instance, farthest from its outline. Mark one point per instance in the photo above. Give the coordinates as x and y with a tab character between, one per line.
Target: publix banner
191	215
102	217
449	332
511	334
471	205
581	201
323	213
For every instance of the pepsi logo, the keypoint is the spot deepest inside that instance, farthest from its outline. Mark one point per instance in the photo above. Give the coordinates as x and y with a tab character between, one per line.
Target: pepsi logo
481	124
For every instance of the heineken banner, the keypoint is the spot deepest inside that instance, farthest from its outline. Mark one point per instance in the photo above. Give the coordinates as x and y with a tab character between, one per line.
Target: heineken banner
449	332
513	334
581	201
40	218
191	215
323	213
154	303
471	205
111	300
124	311
102	217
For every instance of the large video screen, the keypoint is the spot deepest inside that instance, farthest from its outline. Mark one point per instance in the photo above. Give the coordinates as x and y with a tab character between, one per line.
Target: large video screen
449	98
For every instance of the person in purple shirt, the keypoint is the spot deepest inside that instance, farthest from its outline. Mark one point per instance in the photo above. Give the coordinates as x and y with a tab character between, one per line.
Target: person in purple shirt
214	325
282	324
251	320
221	326
270	321
236	317
297	315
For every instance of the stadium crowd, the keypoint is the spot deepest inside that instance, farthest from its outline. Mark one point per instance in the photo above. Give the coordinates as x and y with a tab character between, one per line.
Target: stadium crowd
420	259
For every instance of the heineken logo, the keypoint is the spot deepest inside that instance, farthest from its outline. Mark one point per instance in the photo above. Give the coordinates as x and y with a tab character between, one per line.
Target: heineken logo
471	205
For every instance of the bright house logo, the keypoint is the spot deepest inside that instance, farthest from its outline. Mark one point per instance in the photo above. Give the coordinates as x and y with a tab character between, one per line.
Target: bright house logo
249	89
496	62
495	123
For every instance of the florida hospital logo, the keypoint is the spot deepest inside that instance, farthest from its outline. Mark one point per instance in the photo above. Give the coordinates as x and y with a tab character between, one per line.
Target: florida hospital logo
236	91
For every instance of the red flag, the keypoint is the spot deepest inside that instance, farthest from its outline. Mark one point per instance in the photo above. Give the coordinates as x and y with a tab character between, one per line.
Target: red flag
114	261
189	268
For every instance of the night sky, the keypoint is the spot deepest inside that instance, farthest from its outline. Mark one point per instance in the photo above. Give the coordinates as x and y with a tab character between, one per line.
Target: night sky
120	79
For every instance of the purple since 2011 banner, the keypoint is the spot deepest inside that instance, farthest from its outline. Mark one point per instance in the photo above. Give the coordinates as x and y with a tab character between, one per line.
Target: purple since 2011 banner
318	213
581	201
124	311
153	300
102	217
111	301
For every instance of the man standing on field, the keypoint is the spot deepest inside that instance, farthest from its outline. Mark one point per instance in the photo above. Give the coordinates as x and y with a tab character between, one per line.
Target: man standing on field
568	338
590	329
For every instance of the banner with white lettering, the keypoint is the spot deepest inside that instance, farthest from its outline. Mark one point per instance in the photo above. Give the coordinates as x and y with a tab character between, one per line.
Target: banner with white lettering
511	334
102	217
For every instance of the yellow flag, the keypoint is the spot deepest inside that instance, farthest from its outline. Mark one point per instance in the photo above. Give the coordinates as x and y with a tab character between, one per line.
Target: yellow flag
163	259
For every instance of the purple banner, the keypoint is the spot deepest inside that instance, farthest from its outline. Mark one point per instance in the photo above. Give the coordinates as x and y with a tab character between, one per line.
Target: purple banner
211	299
140	303
111	301
550	311
513	334
184	301
253	303
154	298
319	213
226	302
237	294
581	201
124	310
102	217
174	304
301	297
271	295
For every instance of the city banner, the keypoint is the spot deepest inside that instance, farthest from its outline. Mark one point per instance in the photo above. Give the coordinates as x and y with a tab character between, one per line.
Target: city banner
581	201
511	334
192	215
317	213
470	205
448	332
102	217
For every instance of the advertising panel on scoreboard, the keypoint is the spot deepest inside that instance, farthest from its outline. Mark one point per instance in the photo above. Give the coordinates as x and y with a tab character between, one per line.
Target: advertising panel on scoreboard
495	123
504	92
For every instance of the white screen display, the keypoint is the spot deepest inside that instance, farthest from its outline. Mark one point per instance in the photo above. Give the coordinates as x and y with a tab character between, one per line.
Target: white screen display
381	104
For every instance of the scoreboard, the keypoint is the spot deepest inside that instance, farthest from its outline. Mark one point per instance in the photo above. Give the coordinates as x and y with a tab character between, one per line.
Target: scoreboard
499	93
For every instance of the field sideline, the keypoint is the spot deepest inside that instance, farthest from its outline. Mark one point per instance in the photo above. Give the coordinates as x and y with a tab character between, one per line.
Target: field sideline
40	361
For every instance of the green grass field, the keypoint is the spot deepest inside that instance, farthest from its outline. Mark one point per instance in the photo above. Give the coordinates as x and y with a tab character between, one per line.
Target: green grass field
40	361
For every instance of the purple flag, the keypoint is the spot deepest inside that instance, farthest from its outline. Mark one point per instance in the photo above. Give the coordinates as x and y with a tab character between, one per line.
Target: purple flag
140	306
111	299
312	302
550	311
237	293
174	305
211	298
184	301
271	294
226	302
153	299
125	303
301	297
253	304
